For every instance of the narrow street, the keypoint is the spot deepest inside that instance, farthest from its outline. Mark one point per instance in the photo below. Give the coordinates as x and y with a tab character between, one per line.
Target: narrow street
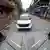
32	39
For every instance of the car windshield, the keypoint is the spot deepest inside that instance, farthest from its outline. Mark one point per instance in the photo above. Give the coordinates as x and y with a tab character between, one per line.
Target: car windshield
24	17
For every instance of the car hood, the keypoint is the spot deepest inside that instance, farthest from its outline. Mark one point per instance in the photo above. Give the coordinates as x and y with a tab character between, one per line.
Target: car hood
23	21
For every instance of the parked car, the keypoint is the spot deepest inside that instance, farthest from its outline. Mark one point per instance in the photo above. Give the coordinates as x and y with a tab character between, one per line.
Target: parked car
36	11
25	22
40	10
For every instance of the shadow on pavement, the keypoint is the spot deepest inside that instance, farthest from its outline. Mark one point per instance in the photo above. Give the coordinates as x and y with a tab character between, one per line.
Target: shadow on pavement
24	30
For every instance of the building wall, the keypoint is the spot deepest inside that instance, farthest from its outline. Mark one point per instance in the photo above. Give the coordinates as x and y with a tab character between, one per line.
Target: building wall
14	14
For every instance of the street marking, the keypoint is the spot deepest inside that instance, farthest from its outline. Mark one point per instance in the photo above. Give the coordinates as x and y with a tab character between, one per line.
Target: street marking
45	31
47	28
45	48
5	48
16	44
36	43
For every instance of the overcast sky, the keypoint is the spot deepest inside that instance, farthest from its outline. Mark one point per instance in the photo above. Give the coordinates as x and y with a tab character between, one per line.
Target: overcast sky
26	3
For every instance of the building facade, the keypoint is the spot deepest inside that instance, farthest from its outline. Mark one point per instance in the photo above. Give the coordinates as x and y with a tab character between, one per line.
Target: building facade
9	9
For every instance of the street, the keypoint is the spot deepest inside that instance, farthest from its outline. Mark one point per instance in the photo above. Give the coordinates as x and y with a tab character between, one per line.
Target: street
32	39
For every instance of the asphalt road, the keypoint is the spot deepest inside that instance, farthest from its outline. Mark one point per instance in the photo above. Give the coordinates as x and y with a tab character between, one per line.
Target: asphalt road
31	39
